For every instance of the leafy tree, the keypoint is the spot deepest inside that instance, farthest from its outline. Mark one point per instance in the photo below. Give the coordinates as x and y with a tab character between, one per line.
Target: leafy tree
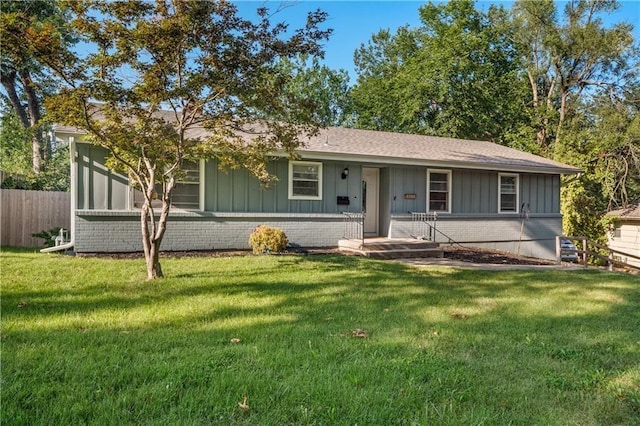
23	26
570	59
604	140
15	144
456	75
181	80
328	90
16	159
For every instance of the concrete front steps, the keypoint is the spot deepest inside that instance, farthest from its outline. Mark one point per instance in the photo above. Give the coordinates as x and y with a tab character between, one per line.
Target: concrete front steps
391	248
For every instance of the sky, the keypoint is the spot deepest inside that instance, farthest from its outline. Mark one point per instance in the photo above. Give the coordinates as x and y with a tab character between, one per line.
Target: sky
354	22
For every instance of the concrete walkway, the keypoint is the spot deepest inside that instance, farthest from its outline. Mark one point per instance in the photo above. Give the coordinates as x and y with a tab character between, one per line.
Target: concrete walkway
449	263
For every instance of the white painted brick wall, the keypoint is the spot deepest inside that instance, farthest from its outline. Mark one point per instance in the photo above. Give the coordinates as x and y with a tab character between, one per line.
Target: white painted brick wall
121	233
495	232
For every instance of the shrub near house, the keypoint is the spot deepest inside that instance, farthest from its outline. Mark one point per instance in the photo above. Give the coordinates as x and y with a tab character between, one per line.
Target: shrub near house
267	239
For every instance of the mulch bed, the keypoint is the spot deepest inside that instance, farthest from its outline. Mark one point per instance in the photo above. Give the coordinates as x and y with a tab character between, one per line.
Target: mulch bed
463	254
477	255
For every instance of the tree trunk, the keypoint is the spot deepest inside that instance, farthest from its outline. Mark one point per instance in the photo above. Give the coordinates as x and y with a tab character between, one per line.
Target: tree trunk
150	243
33	104
154	270
563	112
30	120
9	84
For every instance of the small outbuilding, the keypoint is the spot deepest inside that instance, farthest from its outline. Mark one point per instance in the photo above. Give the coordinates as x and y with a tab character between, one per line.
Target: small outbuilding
624	233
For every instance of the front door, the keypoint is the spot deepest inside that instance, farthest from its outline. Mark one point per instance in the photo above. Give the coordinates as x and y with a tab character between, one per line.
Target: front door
370	191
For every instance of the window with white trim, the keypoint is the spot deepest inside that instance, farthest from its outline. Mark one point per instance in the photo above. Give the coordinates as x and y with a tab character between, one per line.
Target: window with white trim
186	191
508	190
439	191
305	180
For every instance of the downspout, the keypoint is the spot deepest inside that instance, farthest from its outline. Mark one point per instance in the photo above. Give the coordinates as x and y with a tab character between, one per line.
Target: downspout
74	189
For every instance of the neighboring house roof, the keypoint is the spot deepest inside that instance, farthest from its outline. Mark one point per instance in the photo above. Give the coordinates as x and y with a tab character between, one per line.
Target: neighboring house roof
344	144
631	212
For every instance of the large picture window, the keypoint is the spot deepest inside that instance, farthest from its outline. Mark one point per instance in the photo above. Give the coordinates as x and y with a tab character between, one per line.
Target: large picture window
439	191
186	192
508	190
305	180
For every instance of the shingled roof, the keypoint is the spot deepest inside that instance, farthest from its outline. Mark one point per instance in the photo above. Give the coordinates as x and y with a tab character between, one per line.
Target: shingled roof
368	146
631	212
399	148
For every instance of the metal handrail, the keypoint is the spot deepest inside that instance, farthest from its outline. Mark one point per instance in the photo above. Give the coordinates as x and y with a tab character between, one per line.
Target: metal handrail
354	225
424	225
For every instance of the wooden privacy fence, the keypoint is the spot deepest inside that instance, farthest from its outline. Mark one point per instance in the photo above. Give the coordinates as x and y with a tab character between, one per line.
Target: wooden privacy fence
29	212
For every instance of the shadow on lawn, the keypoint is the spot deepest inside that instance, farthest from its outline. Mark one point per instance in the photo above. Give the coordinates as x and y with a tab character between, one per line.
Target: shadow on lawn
442	337
347	276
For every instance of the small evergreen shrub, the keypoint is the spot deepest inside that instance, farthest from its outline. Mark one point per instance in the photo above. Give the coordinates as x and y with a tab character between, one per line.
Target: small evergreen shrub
267	239
49	236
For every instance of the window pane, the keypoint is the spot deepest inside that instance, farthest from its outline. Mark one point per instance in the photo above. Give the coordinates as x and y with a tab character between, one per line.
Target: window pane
438	196
438	177
508	202
186	192
439	186
508	193
508	184
437	206
305	188
305	180
186	196
305	172
438	191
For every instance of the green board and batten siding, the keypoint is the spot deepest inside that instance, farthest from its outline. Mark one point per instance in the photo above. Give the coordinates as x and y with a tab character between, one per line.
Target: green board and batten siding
233	191
476	192
236	191
98	187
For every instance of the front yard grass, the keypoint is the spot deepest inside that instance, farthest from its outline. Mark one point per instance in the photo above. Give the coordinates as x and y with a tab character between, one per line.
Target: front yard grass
314	340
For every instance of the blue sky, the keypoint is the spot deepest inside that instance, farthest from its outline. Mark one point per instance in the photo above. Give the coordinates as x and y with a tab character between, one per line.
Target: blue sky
354	22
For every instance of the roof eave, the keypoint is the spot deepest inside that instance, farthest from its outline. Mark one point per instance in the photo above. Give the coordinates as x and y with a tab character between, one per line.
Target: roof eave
319	155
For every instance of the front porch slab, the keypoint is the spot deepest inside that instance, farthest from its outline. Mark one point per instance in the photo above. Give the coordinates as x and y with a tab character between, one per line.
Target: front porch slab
391	248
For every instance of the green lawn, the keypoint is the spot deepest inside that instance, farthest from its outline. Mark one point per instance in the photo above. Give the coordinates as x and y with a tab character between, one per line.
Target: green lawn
90	341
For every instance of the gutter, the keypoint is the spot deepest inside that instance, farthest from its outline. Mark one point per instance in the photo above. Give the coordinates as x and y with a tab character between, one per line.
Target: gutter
449	164
74	189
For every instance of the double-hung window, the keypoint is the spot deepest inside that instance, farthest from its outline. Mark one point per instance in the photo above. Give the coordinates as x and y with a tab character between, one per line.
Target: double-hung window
439	191
186	191
508	190
305	180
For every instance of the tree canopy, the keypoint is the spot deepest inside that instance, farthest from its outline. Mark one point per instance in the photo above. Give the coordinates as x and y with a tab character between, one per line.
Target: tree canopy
455	75
25	78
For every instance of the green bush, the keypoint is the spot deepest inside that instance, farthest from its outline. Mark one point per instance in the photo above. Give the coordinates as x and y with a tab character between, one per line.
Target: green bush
267	239
49	236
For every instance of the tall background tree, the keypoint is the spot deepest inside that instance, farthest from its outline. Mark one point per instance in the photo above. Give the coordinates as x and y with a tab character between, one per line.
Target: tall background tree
328	89
26	80
177	81
455	75
570	58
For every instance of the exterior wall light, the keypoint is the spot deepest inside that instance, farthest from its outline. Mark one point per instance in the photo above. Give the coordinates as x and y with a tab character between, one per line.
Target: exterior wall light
345	173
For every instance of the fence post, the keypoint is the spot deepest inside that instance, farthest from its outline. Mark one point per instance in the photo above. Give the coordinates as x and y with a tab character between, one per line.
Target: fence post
558	252
584	252
610	261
